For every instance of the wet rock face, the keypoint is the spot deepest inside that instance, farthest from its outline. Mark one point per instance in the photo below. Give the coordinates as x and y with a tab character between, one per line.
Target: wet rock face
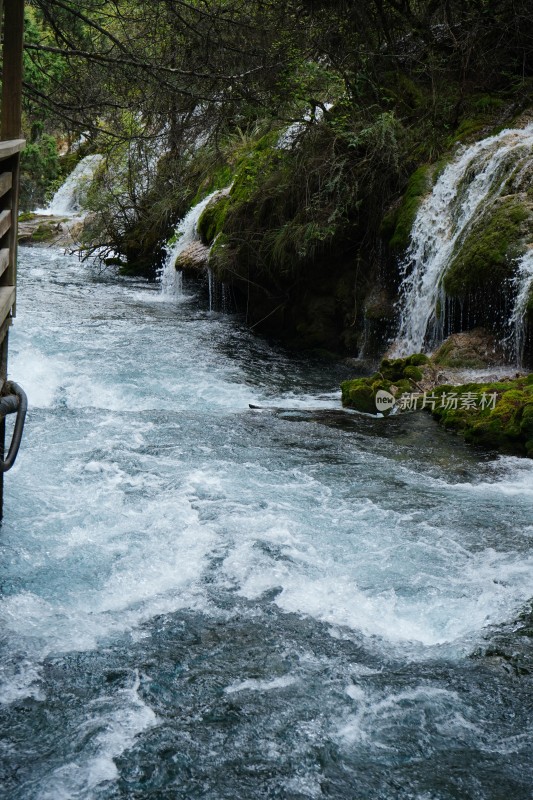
475	349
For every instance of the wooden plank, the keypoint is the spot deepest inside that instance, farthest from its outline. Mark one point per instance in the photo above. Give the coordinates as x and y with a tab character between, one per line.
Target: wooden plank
5	222
6	182
7	301
11	146
4	330
4	259
12	69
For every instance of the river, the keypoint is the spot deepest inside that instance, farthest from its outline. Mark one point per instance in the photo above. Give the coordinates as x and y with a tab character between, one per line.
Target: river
202	600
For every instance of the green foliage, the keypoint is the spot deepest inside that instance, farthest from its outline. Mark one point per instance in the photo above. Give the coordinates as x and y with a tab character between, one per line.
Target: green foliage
213	84
43	70
401	221
40	170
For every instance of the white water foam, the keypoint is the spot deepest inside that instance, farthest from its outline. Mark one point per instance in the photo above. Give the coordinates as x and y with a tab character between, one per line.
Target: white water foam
253	685
443	219
524	289
125	496
380	571
373	722
110	727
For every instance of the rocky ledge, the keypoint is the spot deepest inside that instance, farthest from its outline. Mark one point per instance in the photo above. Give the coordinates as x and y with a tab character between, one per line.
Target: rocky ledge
494	411
40	229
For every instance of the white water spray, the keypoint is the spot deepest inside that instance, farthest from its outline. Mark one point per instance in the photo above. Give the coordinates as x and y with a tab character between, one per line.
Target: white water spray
187	234
443	220
524	287
70	198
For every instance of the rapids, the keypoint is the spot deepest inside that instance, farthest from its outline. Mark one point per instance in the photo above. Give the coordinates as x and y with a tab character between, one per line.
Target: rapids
201	600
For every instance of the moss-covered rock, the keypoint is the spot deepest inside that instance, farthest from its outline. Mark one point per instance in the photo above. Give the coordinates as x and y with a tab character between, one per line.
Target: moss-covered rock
396	376
497	415
500	419
211	221
473	349
360	395
401	221
485	259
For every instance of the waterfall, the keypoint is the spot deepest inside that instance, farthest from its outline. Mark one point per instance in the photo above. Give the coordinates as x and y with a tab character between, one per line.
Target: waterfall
524	287
69	199
477	174
186	233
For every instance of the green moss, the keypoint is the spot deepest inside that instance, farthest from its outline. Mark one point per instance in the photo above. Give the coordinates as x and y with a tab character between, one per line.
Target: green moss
43	233
418	186
481	117
417	359
497	415
485	258
397	376
212	219
252	167
413	373
506	425
360	394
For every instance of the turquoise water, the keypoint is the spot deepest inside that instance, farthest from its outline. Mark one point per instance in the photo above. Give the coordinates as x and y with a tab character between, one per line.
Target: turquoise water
200	600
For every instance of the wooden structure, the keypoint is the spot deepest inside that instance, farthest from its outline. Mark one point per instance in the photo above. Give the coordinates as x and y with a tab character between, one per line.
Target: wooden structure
11	144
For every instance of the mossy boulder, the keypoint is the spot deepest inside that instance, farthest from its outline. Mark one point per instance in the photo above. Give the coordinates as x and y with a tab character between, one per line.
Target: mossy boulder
360	395
396	376
473	349
485	259
501	418
497	415
211	221
36	230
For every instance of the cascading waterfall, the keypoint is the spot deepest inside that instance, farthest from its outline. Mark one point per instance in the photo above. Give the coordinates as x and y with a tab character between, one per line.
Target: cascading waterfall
443	220
186	234
517	321
69	199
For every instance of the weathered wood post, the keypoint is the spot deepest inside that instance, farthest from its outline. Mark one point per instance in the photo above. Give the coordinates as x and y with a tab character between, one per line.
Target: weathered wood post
11	143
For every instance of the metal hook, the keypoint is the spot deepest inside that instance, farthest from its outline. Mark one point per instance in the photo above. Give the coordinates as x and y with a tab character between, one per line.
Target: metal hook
15	402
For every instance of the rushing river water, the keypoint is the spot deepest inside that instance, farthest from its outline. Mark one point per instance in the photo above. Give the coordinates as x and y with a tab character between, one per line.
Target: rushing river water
200	600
